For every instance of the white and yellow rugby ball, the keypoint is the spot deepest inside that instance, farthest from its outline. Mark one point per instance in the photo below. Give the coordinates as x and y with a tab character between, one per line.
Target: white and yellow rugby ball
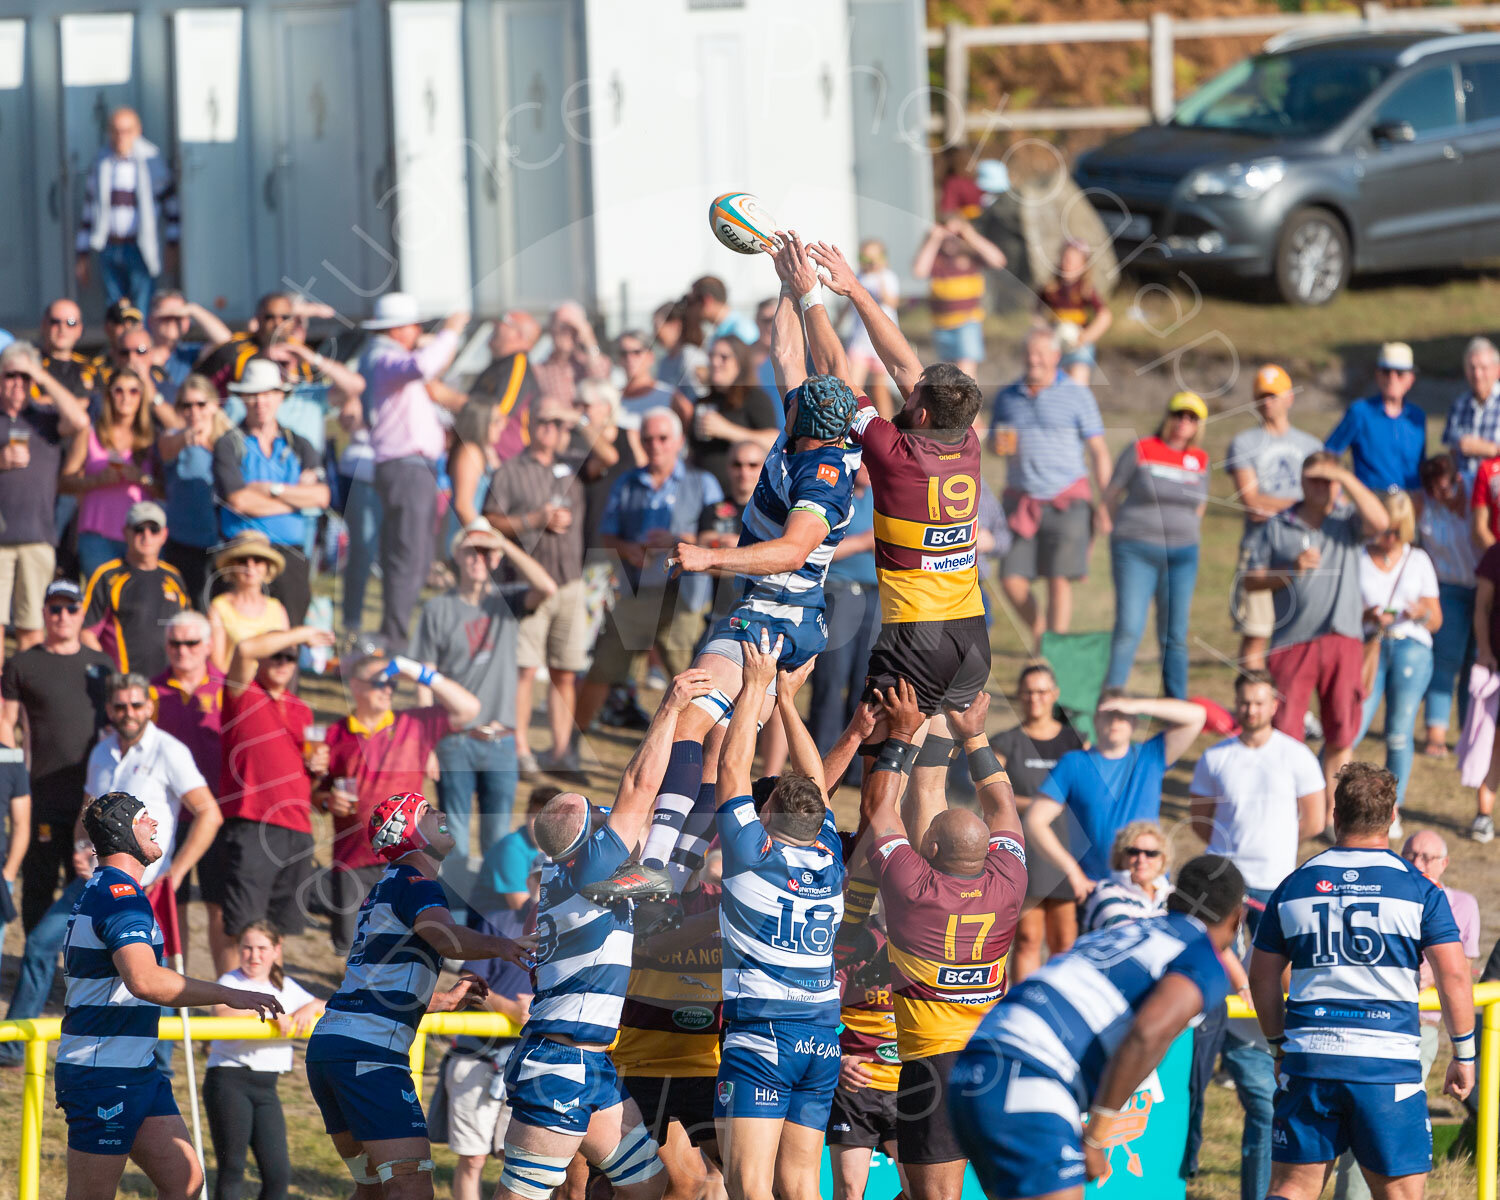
740	222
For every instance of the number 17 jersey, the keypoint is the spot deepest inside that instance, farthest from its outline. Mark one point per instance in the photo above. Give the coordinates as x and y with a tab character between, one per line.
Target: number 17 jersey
1354	925
778	915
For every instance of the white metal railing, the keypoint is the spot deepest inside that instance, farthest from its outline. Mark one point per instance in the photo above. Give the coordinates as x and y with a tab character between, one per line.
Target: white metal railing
955	121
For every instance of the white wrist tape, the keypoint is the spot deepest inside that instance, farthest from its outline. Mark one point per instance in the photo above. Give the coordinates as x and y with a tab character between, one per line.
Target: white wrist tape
812	299
1464	1047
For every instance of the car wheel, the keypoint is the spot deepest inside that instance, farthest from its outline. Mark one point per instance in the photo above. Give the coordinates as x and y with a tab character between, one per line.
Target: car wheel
1312	258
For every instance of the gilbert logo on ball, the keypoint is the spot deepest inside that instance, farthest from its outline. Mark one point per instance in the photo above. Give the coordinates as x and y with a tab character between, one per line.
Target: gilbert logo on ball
741	222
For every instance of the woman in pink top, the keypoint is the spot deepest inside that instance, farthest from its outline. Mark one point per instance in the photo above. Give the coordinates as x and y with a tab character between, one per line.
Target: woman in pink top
110	467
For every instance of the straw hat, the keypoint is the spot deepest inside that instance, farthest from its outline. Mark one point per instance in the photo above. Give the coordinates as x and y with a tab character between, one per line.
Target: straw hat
251	544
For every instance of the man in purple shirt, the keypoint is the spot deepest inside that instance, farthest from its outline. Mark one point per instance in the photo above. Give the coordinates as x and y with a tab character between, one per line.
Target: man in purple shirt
408	438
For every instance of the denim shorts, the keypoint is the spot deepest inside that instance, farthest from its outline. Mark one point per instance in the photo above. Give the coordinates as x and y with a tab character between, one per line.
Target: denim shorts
965	342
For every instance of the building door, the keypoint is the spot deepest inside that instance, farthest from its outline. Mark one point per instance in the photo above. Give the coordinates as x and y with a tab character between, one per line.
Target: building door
18	225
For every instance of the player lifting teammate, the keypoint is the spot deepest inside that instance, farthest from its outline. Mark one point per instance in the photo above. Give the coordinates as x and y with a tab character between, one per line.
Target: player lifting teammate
793	523
952	902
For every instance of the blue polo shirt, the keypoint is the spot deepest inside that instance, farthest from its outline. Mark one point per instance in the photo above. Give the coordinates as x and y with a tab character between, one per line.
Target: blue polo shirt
1051	428
1387	450
636	508
239	460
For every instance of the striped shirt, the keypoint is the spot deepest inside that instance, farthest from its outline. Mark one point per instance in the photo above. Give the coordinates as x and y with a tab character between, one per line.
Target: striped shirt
818	481
390	976
1051	428
781	907
1069	1017
108	1033
583	949
957	292
1354	925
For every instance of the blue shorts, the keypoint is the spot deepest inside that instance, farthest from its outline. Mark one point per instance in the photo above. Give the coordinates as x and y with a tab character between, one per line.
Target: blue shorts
105	1120
1385	1124
558	1087
374	1101
1036	1147
965	342
800	641
778	1069
1083	354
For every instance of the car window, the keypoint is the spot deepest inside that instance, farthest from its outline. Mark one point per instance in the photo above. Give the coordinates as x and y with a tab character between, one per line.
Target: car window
1283	95
1481	90
1426	102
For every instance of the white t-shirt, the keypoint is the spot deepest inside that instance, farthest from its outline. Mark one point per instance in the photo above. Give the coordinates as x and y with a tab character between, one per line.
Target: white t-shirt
157	771
253	1055
1418	580
1255	823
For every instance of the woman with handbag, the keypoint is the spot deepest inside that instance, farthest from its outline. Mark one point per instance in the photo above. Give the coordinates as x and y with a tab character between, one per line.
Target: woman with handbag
1399	589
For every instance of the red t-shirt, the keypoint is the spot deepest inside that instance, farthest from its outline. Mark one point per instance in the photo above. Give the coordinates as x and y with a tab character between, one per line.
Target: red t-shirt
1487	492
384	761
948	937
263	776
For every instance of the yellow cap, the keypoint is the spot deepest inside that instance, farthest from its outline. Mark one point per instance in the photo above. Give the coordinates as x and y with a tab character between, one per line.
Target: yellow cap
1271	380
1188	402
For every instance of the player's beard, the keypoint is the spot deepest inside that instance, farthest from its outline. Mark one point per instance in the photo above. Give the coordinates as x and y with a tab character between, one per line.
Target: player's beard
904	419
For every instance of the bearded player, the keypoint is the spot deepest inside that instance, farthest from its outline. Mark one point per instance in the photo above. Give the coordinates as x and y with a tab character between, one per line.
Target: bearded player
793	524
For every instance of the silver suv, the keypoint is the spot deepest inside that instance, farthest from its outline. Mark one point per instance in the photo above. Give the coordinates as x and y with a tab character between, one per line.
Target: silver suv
1314	159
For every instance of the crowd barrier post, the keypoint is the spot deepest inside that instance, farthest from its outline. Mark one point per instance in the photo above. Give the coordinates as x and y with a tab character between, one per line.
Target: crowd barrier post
418	1061
33	1100
1487	1129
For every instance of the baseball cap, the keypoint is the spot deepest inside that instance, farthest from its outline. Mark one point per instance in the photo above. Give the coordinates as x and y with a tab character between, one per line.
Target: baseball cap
121	311
1271	380
1396	356
65	588
1188	402
145	510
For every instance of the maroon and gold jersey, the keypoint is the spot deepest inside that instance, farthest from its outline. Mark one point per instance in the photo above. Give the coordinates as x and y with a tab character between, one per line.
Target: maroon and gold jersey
673	1010
926	521
869	1017
949	937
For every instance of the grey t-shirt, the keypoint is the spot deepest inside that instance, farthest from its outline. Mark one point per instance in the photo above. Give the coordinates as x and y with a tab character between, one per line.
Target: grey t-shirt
476	646
1318	602
1164	489
1276	460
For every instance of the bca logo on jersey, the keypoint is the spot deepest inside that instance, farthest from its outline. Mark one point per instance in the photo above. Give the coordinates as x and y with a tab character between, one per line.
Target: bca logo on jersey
1324	885
944	537
977	976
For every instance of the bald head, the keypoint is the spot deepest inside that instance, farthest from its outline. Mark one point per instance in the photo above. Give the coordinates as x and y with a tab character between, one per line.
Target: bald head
1427	852
514	333
559	823
957	841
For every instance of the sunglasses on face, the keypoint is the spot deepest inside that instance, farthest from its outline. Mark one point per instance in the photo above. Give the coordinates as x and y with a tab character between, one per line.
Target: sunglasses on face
1141	852
57	610
146	527
1186	416
178	645
657	437
129	705
378	681
184	404
70	322
283	659
1391	371
557	421
17	375
276	318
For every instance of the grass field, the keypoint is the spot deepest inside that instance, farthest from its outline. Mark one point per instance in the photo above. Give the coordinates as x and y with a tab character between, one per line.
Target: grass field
1435	801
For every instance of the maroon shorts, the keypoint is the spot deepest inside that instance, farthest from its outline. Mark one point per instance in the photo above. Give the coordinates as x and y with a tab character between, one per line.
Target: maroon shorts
1330	666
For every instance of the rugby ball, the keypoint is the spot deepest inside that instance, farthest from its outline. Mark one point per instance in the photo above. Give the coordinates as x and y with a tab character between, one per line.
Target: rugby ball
740	222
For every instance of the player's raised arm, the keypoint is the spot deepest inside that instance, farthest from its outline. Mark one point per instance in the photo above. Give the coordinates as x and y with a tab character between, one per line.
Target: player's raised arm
799	273
802	751
738	752
997	799
788	342
892	347
880	798
643	774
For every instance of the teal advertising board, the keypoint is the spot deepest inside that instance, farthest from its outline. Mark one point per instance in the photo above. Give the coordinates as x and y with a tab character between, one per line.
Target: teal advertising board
1145	1164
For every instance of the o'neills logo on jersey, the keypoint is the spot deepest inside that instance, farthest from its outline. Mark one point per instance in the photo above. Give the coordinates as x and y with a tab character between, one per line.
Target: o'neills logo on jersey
940	537
978	976
961	561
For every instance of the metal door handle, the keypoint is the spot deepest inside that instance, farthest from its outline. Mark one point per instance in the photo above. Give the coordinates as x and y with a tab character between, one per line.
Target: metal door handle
54	207
268	189
1451	154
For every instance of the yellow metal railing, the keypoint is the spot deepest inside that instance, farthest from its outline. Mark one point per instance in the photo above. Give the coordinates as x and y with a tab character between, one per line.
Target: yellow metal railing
36	1034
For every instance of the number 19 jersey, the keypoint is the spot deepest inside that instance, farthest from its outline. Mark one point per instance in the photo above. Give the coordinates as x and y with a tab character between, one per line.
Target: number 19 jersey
780	910
1354	924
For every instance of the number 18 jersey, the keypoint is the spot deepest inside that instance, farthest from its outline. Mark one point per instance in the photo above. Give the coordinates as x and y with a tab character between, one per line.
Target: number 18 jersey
1354	924
780	910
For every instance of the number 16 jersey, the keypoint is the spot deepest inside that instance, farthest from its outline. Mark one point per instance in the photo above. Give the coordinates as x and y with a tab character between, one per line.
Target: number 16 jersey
780	910
1354	924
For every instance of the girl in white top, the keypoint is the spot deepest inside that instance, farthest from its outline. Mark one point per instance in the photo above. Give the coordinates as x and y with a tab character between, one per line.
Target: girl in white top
1399	588
239	1087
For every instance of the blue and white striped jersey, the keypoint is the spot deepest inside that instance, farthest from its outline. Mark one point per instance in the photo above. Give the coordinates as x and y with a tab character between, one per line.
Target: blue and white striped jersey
781	907
583	949
1353	924
389	979
108	1034
1067	1018
817	481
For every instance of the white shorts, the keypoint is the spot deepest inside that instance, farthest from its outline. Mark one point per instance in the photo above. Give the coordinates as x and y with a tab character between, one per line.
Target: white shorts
476	1121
